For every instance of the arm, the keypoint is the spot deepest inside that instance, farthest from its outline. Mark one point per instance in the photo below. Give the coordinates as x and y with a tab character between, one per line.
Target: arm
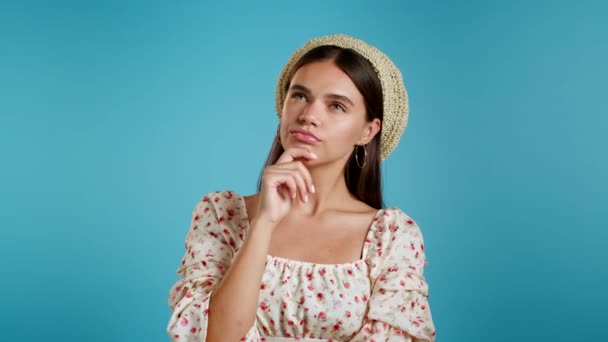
398	306
237	295
216	300
211	244
235	301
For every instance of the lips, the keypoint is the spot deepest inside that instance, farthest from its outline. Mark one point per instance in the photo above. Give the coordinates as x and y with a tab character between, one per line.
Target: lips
304	136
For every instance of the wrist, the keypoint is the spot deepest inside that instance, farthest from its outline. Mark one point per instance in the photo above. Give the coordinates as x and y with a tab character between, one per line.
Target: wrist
260	230
264	223
259	236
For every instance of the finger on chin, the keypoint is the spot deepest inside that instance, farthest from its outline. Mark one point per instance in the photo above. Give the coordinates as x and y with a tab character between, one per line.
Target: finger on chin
296	154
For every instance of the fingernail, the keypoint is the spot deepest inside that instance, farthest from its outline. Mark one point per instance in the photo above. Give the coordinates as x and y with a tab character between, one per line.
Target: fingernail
312	189
313	155
305	198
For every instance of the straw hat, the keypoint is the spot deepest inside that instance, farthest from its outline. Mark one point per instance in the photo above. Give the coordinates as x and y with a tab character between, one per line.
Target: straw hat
394	95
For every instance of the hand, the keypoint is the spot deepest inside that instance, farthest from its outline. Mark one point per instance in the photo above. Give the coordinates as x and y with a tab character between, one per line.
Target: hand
283	182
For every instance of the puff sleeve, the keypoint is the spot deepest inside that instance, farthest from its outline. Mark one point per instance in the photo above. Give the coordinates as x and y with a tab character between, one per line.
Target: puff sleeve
214	236
398	306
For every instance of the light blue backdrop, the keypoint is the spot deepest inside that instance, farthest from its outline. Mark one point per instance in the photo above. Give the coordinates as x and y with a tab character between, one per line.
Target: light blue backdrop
117	116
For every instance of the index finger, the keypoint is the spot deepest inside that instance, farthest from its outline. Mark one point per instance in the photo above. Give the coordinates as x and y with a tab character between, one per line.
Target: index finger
295	153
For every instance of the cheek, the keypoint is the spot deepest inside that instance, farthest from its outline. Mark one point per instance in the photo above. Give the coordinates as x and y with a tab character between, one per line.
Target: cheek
291	108
282	127
345	133
285	107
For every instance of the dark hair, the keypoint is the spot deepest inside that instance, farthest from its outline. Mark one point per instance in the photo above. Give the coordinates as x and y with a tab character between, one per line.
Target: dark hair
364	183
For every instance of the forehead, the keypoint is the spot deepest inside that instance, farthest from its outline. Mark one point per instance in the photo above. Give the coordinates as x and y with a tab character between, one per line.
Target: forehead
326	77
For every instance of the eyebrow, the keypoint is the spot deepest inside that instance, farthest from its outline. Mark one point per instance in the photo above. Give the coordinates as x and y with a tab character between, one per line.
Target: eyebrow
331	96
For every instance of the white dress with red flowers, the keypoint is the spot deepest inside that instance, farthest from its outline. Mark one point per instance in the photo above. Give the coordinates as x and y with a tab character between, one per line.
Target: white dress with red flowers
381	297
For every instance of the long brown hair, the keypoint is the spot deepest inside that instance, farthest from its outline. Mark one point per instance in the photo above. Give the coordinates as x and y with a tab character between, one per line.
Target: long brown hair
363	183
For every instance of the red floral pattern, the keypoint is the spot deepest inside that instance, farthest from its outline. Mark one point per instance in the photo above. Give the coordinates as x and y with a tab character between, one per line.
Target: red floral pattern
382	297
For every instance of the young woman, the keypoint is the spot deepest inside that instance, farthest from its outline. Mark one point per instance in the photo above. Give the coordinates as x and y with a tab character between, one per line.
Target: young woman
313	256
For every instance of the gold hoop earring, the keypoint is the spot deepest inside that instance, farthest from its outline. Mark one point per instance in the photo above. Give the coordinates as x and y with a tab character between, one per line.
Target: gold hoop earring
364	156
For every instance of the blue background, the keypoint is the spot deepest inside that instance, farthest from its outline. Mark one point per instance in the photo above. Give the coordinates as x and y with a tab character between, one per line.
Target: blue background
116	117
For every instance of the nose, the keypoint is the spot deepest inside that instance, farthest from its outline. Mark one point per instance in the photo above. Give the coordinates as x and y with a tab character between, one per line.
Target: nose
310	114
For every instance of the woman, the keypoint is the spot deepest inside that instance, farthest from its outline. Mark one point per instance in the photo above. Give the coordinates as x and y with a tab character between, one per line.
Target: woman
313	256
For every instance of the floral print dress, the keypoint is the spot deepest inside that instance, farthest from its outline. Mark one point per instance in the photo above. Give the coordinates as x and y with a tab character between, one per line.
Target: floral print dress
381	297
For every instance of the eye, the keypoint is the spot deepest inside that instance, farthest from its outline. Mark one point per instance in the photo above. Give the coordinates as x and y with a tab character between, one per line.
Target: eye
298	96
338	106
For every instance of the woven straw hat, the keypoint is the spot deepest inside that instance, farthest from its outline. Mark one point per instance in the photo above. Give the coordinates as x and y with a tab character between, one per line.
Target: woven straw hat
395	100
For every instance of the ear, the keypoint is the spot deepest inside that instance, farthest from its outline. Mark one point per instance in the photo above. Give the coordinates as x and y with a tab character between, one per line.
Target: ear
369	131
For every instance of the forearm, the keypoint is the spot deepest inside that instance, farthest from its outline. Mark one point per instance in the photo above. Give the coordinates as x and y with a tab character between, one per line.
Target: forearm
234	302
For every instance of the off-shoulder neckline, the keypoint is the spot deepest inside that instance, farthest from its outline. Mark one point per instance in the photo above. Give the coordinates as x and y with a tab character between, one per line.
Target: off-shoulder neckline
295	262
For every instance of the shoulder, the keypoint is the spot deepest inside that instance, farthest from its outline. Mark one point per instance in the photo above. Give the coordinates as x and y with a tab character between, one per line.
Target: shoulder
221	215
220	196
395	220
394	229
398	242
218	199
224	206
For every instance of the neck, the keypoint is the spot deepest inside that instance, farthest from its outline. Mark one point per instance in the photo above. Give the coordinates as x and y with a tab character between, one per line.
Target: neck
330	190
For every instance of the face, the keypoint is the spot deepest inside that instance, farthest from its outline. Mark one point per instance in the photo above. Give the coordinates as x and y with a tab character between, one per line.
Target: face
324	112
